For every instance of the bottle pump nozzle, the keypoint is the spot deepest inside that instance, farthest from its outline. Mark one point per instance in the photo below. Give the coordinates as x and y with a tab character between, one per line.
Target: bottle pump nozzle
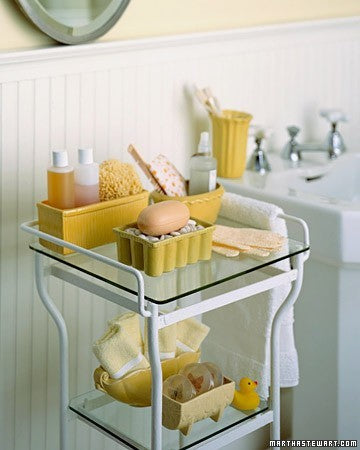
204	143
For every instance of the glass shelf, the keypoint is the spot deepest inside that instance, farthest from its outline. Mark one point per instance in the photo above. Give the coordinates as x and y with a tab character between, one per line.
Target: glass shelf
180	282
132	425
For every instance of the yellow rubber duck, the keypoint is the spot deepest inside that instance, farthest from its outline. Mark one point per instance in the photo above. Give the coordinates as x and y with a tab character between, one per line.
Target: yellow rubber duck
246	398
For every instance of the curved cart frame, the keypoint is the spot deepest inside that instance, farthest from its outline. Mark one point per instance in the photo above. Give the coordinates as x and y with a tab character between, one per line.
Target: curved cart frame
156	322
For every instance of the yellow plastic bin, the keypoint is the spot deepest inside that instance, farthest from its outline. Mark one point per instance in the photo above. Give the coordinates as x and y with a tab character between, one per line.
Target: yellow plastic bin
89	226
204	206
229	139
155	258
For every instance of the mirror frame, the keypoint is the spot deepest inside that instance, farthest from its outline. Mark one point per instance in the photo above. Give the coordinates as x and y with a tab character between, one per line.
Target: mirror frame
64	33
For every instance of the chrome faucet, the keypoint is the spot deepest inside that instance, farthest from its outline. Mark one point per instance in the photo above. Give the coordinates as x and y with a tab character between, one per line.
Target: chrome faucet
334	144
258	161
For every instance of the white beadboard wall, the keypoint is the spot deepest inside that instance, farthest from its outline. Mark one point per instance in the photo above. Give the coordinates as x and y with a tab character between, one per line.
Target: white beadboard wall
106	96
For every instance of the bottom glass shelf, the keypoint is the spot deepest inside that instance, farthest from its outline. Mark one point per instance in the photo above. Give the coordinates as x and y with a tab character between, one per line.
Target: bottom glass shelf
132	426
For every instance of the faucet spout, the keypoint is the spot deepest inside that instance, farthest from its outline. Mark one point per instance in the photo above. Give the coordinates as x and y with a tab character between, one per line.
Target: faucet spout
334	145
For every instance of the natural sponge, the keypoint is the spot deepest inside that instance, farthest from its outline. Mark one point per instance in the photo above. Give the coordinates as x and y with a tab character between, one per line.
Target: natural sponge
117	179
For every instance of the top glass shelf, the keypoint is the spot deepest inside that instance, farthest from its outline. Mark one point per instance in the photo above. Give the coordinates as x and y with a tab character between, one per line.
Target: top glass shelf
173	285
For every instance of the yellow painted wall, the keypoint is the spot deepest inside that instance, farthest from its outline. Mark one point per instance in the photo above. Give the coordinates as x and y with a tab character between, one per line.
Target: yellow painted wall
158	17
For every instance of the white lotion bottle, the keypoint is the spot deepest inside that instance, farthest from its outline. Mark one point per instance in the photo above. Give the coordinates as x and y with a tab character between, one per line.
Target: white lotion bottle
202	168
60	181
86	178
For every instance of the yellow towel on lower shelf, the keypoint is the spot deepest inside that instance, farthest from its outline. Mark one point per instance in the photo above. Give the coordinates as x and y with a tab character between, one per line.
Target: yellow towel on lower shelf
130	322
118	354
190	334
167	341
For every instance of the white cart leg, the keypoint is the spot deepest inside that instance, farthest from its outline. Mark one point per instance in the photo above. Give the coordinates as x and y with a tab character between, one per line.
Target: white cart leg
64	347
297	263
156	378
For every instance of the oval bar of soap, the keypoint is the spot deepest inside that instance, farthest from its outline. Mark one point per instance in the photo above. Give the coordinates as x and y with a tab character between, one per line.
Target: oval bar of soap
163	218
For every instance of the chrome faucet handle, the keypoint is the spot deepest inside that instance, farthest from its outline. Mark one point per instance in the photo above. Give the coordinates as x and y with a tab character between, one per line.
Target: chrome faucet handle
258	161
333	115
290	150
334	141
258	131
293	131
334	144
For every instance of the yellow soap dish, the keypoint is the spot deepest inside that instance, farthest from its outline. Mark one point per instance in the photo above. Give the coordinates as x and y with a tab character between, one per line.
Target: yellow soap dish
182	416
135	388
164	256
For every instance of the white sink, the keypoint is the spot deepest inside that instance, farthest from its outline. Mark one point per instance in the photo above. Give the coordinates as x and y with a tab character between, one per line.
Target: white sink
325	404
339	182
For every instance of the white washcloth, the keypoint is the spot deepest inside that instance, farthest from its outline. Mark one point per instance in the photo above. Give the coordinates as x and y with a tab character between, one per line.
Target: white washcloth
244	350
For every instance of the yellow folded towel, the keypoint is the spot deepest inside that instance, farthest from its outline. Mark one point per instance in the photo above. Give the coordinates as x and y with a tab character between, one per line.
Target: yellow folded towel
167	341
118	354
130	322
190	334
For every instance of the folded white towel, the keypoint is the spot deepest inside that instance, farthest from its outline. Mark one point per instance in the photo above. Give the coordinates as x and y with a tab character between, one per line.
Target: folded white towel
118	354
167	341
244	350
190	334
130	322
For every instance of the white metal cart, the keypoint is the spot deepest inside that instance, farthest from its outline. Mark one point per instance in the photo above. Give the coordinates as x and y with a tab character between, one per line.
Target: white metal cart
190	288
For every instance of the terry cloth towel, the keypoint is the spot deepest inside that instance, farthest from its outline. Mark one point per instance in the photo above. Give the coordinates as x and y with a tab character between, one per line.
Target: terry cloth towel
118	354
167	341
130	322
244	349
190	334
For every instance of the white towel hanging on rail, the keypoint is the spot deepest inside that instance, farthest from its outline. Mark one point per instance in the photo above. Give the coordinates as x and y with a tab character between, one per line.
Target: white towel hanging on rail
240	333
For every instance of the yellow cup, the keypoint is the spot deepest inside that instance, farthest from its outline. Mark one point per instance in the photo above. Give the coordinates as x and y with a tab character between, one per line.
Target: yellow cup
229	137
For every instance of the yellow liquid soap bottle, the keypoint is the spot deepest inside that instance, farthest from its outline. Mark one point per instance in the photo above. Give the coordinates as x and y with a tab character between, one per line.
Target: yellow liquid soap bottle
60	181
202	168
86	178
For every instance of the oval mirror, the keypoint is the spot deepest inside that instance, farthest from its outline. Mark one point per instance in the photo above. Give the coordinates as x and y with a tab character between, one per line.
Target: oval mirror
74	21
